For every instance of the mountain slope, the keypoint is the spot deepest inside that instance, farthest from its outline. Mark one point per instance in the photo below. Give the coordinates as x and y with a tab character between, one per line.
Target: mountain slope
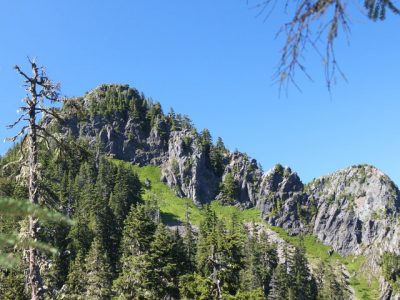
355	210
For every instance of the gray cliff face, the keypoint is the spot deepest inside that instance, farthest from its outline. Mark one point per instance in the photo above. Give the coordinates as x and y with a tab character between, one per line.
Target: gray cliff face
282	201
357	210
247	176
117	133
186	169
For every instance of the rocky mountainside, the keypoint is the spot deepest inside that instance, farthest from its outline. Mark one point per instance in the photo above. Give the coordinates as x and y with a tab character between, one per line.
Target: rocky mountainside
354	210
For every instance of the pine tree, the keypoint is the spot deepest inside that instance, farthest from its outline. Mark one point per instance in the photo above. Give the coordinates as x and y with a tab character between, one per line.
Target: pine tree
231	245
98	276
278	288
12	284
217	157
302	283
164	264
229	188
76	281
137	237
268	261
189	243
126	192
330	288
196	286
206	143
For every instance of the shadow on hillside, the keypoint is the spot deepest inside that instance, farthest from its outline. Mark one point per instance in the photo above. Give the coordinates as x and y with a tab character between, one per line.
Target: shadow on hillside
170	219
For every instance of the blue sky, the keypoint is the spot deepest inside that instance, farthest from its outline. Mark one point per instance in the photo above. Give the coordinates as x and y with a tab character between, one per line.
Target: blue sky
213	60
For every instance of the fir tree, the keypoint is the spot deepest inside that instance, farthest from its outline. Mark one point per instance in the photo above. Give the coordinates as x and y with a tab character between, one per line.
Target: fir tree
278	287
229	188
98	276
76	281
164	264
217	157
302	283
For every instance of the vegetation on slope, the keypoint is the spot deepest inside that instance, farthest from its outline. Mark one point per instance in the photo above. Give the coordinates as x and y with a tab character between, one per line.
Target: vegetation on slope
173	209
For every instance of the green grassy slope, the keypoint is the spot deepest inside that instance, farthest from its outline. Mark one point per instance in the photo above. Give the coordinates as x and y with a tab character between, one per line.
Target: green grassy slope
173	209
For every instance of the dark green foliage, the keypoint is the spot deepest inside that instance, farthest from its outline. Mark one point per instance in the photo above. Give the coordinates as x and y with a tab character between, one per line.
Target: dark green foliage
229	188
152	260
330	288
189	244
279	285
220	254
98	272
205	143
12	284
292	279
391	269
165	264
76	281
218	157
137	237
261	259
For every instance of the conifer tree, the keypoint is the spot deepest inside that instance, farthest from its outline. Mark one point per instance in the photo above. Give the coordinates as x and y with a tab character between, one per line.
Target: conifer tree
164	264
229	188
330	288
138	234
189	243
76	281
217	157
302	283
98	272
278	288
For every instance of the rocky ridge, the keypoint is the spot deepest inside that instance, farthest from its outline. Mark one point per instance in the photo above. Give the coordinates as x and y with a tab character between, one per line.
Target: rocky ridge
354	210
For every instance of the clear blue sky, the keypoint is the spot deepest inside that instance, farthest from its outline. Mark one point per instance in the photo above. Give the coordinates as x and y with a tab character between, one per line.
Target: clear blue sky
213	61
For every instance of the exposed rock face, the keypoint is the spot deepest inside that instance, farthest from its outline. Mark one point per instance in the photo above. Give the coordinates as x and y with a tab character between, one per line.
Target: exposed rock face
247	176
357	210
186	169
117	133
282	201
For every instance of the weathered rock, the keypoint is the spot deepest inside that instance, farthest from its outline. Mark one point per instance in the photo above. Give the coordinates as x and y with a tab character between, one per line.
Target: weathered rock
357	210
187	170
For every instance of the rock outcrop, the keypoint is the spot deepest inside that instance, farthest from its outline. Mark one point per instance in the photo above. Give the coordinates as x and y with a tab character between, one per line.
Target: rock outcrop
357	210
186	168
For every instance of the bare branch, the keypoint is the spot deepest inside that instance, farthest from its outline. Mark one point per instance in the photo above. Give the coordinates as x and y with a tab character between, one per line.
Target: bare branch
51	112
16	122
301	31
28	79
20	133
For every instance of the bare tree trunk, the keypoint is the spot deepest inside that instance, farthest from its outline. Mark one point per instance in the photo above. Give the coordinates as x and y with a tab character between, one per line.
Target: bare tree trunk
35	280
40	88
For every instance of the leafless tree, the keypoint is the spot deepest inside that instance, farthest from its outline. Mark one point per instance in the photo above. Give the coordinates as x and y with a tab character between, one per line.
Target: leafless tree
313	22
40	89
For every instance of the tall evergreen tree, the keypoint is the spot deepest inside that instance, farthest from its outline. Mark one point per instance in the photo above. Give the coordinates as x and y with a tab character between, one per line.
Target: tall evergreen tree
98	272
217	157
278	288
302	283
76	281
137	237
